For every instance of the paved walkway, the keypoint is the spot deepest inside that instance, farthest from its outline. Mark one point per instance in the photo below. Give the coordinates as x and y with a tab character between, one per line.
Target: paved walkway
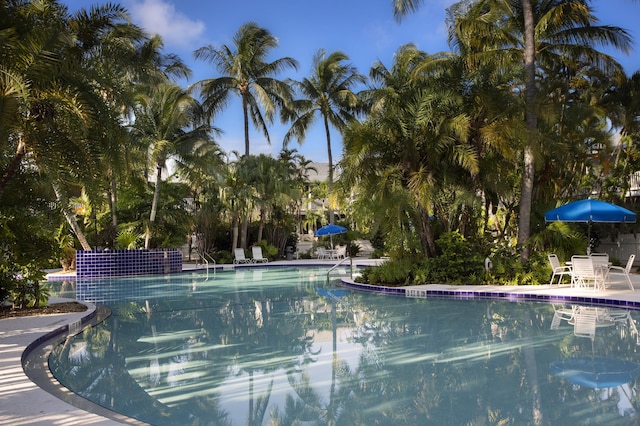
22	402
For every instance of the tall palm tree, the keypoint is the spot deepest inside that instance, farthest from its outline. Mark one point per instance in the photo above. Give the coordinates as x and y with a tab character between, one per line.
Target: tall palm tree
247	73
402	7
127	62
169	121
533	36
326	93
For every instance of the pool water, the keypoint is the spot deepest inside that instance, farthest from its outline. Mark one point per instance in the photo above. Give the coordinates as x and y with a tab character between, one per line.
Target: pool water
281	346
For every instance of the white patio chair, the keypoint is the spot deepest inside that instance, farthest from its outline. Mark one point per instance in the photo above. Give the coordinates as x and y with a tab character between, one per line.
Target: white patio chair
558	269
257	255
239	256
322	253
341	252
585	274
619	270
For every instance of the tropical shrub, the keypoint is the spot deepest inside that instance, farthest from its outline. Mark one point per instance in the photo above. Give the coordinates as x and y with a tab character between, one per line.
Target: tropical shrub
393	273
461	262
458	263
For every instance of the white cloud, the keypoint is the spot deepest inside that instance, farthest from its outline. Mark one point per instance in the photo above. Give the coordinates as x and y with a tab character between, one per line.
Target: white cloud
160	17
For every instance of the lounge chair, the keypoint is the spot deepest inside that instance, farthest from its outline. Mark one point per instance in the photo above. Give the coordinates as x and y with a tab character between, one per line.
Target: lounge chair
558	269
257	255
619	270
239	256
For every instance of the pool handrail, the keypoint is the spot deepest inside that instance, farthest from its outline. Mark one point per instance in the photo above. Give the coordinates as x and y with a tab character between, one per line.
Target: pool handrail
205	258
340	263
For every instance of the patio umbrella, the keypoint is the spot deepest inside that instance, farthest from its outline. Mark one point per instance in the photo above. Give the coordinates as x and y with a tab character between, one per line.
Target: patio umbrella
330	230
596	372
590	211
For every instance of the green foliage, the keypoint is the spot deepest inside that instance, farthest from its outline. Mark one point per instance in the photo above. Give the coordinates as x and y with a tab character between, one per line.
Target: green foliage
67	254
8	281
353	249
458	262
22	285
268	251
392	273
508	269
172	224
461	262
129	238
377	254
223	256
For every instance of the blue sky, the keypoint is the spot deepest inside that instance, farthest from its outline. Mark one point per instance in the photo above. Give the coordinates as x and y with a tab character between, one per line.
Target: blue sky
363	29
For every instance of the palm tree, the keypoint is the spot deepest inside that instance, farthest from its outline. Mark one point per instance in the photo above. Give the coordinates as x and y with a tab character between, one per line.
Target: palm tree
52	96
168	121
237	197
413	147
327	93
533	36
246	73
126	63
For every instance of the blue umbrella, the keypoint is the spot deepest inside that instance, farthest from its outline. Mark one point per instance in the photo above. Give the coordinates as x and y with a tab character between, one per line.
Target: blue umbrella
596	373
590	211
330	230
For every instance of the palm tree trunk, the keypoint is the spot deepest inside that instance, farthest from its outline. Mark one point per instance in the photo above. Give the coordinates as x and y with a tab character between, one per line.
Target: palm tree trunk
261	226
71	219
243	232
528	170
330	158
245	116
426	234
113	198
234	243
154	206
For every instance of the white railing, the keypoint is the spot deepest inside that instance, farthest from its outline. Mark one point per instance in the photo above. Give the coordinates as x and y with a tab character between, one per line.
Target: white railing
205	257
340	263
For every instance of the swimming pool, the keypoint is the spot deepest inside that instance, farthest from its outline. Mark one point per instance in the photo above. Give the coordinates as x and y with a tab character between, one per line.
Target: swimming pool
267	345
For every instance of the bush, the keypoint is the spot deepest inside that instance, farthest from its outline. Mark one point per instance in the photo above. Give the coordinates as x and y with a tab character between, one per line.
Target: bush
392	273
22	285
459	263
353	249
223	256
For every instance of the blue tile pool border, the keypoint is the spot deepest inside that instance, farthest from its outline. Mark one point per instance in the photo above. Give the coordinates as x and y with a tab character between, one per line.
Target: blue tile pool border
477	294
119	263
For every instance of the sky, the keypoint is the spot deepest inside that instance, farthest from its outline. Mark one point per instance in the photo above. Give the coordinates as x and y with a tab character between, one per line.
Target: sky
364	30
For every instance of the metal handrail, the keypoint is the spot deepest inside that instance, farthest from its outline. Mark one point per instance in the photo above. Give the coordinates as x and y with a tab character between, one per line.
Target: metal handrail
204	256
340	263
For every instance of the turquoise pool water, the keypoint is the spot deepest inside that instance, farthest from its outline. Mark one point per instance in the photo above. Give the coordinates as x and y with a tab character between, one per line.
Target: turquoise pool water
280	346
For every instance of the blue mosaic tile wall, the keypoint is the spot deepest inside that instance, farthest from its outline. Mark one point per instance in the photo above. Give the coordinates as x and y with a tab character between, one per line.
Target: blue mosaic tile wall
120	263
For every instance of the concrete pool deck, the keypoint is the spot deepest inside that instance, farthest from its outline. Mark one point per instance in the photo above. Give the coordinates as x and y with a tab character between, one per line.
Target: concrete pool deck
22	402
